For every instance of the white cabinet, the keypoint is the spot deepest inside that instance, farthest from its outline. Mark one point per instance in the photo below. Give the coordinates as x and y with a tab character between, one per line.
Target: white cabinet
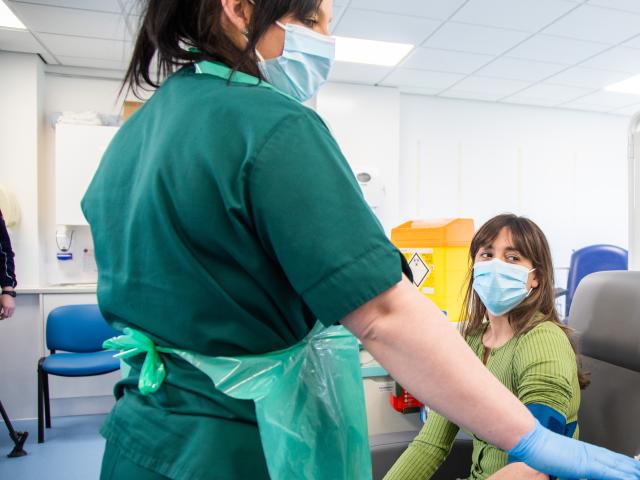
79	149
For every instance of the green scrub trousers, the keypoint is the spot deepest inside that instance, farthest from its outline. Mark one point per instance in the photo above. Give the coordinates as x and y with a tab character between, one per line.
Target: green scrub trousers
116	466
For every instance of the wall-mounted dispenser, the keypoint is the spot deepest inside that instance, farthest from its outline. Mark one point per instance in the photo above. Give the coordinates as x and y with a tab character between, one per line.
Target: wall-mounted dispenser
64	240
372	187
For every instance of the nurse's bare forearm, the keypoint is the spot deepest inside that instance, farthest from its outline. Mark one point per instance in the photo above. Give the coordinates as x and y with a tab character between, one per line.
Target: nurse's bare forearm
411	338
518	470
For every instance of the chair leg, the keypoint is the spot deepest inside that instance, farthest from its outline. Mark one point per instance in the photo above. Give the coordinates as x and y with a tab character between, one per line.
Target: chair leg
47	404
40	404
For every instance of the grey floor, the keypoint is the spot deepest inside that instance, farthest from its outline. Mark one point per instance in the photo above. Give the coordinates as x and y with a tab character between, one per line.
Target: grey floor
72	450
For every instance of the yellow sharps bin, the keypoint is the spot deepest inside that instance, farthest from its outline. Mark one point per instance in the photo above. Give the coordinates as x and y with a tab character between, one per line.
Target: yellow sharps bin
438	254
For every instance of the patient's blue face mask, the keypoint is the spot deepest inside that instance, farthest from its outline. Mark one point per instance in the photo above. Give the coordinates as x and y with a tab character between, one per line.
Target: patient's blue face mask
501	286
304	65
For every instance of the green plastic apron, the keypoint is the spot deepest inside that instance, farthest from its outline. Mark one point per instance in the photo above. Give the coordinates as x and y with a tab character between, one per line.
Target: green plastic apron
309	399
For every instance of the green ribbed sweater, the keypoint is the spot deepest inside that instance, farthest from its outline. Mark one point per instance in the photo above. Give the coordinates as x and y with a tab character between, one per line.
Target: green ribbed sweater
539	367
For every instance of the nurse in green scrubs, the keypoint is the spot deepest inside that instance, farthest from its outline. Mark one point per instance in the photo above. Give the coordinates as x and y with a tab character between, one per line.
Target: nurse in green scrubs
227	222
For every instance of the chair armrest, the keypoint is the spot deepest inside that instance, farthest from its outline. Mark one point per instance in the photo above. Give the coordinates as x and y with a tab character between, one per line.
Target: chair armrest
458	463
559	292
386	448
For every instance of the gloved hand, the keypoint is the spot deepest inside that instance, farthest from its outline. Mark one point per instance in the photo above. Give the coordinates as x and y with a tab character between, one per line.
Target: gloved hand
564	457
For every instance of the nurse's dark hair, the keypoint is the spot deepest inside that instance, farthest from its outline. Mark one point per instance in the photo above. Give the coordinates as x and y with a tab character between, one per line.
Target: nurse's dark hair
174	33
529	240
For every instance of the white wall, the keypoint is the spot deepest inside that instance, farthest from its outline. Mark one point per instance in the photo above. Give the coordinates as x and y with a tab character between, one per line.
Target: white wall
437	158
27	162
76	95
565	170
366	124
20	125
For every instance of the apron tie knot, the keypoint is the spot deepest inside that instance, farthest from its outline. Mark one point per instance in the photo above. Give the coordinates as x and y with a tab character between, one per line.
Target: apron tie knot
133	343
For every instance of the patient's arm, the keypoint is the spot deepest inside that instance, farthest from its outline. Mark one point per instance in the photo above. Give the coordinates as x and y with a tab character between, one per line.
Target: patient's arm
427	451
518	471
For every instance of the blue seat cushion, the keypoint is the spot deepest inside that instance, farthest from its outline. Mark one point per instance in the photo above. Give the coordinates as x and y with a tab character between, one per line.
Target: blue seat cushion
81	364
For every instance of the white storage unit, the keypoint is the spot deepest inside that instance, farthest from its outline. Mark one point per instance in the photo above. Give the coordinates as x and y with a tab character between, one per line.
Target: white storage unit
79	149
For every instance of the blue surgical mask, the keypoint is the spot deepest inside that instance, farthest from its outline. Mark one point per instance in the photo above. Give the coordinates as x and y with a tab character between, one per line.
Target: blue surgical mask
304	65
501	286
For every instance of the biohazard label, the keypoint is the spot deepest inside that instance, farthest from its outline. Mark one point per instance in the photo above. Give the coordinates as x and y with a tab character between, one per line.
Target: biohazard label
419	269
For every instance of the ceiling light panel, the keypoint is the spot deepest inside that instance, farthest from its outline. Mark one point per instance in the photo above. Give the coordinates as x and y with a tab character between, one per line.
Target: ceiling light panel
8	19
629	86
371	52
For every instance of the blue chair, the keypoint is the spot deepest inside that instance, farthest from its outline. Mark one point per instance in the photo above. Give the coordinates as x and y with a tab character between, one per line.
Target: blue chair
587	260
78	330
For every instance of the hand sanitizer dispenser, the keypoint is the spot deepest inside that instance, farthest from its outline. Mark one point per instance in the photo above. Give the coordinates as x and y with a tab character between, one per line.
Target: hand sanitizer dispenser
64	238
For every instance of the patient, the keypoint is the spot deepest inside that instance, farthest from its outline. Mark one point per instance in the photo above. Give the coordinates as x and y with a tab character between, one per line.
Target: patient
512	326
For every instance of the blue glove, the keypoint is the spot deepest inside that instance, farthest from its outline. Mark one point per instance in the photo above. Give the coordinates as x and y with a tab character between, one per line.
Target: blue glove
564	457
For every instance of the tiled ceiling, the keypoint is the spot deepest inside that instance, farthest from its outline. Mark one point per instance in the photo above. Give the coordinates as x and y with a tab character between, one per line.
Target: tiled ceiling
552	53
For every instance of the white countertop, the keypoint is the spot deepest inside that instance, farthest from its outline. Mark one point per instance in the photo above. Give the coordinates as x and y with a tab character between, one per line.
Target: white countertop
66	288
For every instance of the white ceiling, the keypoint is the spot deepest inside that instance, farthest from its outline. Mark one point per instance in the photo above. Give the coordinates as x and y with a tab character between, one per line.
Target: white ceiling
553	53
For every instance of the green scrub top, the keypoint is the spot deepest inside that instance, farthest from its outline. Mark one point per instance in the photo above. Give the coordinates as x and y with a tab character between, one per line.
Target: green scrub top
225	221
